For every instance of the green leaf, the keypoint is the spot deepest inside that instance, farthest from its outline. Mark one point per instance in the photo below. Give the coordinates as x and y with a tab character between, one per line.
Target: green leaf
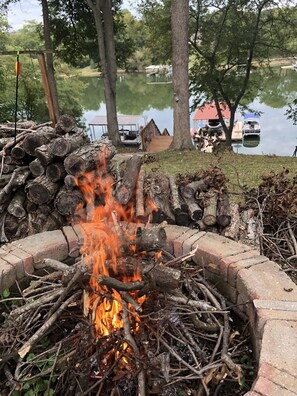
5	293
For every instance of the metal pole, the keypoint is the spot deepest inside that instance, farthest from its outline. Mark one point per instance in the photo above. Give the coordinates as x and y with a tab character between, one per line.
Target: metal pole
17	69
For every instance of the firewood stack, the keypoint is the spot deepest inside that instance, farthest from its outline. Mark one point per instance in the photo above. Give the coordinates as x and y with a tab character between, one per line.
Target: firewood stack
38	170
46	172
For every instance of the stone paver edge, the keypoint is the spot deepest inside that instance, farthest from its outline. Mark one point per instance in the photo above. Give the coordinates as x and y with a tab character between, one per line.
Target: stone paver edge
225	257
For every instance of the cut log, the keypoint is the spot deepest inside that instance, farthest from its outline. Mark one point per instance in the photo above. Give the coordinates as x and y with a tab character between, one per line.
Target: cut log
139	206
16	206
151	238
125	190
54	221
232	231
70	182
55	171
18	151
44	154
18	178
210	207
223	210
63	146
4	180
175	201
36	168
30	206
41	190
8	168
88	157
66	123
67	201
159	192
194	209
11	225
36	139
182	218
194	188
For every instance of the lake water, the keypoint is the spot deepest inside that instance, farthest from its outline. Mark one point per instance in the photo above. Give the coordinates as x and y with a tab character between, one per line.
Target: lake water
152	98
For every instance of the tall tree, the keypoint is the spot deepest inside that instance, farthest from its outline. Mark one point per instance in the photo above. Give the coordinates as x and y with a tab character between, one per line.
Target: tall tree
180	77
50	58
227	39
102	12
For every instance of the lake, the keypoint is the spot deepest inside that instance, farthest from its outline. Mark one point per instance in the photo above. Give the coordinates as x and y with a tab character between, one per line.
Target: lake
152	98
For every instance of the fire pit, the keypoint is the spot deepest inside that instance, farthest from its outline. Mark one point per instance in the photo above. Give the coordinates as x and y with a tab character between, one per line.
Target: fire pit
134	314
216	255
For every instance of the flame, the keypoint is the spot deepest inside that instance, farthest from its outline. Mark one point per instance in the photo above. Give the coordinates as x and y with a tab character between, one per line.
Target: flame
102	248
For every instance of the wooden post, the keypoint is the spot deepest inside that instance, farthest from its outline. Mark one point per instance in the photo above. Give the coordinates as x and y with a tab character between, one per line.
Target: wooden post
46	88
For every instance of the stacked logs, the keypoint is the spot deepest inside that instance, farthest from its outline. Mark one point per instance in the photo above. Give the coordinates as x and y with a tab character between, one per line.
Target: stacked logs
198	201
39	165
48	173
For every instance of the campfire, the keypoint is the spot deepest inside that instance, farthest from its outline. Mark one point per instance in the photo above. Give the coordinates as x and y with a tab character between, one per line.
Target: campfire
126	318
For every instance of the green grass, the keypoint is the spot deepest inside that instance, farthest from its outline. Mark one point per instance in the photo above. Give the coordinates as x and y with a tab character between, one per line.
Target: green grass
239	169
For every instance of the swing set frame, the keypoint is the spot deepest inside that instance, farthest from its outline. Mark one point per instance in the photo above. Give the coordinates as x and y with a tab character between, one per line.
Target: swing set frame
44	77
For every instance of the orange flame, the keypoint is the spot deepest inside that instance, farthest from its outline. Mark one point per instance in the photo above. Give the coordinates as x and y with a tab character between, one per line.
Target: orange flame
103	247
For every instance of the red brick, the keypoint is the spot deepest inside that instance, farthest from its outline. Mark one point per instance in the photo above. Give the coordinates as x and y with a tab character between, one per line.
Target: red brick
213	247
191	242
178	243
269	388
49	244
7	275
173	232
72	241
22	261
265	282
243	262
279	345
279	377
260	311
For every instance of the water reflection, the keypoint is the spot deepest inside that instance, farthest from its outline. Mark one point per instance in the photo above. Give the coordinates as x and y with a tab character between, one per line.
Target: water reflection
152	98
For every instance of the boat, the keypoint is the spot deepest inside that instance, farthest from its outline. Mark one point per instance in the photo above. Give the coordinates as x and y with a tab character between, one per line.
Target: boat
129	128
207	126
251	125
207	120
251	141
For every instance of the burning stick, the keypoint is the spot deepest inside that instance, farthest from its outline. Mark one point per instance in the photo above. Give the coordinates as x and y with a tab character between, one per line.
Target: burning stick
118	285
132	343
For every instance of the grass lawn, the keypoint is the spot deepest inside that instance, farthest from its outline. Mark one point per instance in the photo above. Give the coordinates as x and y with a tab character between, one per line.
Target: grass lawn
239	169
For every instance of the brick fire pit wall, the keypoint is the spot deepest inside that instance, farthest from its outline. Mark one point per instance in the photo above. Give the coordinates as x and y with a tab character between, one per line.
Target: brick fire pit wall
258	286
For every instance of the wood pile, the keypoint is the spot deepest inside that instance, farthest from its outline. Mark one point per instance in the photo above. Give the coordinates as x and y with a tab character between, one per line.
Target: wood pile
39	167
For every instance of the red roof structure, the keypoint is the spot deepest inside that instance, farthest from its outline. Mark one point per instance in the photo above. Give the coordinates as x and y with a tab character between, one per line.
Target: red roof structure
209	112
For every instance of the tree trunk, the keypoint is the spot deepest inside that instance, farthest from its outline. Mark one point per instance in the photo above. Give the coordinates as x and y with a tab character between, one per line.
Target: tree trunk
107	62
180	55
49	58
